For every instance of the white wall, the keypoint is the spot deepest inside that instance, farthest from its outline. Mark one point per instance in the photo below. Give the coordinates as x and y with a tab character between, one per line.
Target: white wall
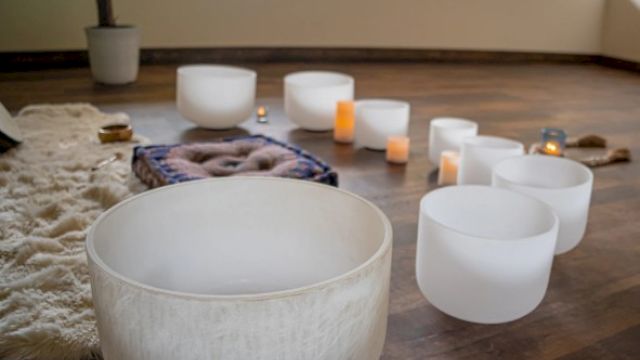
563	26
621	30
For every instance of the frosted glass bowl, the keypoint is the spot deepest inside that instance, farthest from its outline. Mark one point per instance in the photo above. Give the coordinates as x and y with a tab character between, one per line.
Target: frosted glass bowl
310	97
215	96
562	183
241	268
479	154
484	254
446	134
377	119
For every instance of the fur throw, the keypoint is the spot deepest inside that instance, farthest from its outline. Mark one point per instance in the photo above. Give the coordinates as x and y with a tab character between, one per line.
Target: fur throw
49	197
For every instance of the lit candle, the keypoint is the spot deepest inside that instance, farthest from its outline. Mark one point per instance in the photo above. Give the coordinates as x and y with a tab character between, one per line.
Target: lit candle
398	149
552	148
553	141
261	113
448	173
344	122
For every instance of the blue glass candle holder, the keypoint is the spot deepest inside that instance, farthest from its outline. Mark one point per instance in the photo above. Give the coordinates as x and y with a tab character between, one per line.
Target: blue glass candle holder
553	141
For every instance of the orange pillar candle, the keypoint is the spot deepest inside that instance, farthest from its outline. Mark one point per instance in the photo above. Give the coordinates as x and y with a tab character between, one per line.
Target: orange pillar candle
345	122
448	172
398	149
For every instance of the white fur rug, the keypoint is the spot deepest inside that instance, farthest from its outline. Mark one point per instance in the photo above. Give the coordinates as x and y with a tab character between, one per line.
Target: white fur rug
48	198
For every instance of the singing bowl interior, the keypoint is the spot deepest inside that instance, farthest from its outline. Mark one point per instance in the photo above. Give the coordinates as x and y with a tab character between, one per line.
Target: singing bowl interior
545	172
492	143
317	79
487	212
215	71
238	236
453	123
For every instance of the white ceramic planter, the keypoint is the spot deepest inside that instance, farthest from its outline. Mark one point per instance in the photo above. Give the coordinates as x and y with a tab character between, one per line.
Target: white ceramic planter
114	53
215	96
562	183
479	154
310	97
484	254
377	119
446	134
241	268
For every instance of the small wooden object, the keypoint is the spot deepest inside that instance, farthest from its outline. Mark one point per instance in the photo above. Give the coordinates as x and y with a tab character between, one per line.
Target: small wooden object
115	132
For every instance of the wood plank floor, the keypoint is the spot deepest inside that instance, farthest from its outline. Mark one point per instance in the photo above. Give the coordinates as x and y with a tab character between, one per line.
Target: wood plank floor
592	307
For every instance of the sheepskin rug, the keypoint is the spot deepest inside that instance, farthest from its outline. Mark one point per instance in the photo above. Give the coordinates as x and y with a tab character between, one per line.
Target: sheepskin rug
49	196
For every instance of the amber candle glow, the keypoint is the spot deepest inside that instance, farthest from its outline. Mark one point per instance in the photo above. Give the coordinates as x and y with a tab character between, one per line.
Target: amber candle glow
553	141
398	149
448	173
345	122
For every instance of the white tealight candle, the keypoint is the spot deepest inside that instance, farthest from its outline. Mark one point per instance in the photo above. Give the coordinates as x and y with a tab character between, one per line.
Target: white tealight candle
448	173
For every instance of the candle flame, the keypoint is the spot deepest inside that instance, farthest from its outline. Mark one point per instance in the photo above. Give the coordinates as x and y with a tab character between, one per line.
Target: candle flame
262	111
551	147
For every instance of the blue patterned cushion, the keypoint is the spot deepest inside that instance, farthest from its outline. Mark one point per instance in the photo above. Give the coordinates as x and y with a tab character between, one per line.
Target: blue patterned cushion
159	165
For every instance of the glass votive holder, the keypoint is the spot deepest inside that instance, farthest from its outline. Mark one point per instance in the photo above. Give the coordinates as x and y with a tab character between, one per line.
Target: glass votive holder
377	119
479	154
553	141
310	97
484	254
262	114
562	183
446	134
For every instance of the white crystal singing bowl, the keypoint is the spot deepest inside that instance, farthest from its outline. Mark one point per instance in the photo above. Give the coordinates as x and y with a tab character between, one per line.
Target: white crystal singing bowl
215	96
562	183
241	268
446	134
377	119
484	254
310	97
479	154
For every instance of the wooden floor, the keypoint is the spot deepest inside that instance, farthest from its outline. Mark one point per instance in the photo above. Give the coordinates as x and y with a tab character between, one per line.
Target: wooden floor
592	307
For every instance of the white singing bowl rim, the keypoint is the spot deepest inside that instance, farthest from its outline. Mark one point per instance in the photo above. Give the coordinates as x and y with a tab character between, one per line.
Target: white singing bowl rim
382	104
294	79
585	173
553	224
449	122
492	142
224	71
385	245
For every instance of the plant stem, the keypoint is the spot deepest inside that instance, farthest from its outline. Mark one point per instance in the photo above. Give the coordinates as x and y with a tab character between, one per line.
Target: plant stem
105	14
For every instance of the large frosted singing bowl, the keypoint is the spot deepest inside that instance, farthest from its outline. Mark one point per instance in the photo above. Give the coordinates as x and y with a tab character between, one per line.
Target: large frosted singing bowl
377	119
562	183
484	254
479	154
446	134
241	268
310	97
216	96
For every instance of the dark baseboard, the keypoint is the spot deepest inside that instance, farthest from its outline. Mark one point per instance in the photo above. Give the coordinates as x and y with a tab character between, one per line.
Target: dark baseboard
41	60
266	55
619	63
21	61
